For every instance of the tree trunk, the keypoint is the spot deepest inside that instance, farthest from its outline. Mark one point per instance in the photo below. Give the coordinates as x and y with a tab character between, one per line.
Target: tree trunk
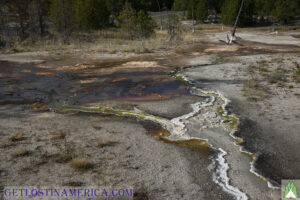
161	28
22	26
40	17
2	19
193	20
235	24
41	23
3	28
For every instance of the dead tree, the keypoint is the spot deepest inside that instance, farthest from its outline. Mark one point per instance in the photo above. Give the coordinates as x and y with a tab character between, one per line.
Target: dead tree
232	35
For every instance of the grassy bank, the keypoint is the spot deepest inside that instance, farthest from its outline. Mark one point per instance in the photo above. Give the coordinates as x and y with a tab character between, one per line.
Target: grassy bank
109	41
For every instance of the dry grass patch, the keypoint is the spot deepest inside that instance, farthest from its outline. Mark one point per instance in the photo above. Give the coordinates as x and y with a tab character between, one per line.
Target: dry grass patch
62	158
253	91
42	159
97	127
262	63
59	136
106	144
16	138
67	152
81	164
277	60
251	69
296	74
263	70
280	84
109	41
21	152
38	139
297	78
277	76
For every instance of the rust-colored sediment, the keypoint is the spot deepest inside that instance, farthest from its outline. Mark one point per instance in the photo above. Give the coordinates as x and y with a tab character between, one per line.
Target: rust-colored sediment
26	70
195	144
74	68
42	106
45	74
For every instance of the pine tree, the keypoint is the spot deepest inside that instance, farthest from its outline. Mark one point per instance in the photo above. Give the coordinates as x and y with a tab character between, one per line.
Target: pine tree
230	10
179	5
215	5
136	24
201	10
191	9
197	10
20	9
97	14
62	14
264	8
38	11
127	19
286	10
145	25
115	7
79	15
138	4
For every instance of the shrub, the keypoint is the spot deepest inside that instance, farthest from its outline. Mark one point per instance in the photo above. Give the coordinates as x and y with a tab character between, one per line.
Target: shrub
21	152
16	138
106	144
59	136
277	76
81	164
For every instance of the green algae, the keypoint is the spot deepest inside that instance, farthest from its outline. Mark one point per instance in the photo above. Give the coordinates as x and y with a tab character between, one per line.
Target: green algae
180	78
195	144
199	144
220	111
109	111
239	140
233	121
